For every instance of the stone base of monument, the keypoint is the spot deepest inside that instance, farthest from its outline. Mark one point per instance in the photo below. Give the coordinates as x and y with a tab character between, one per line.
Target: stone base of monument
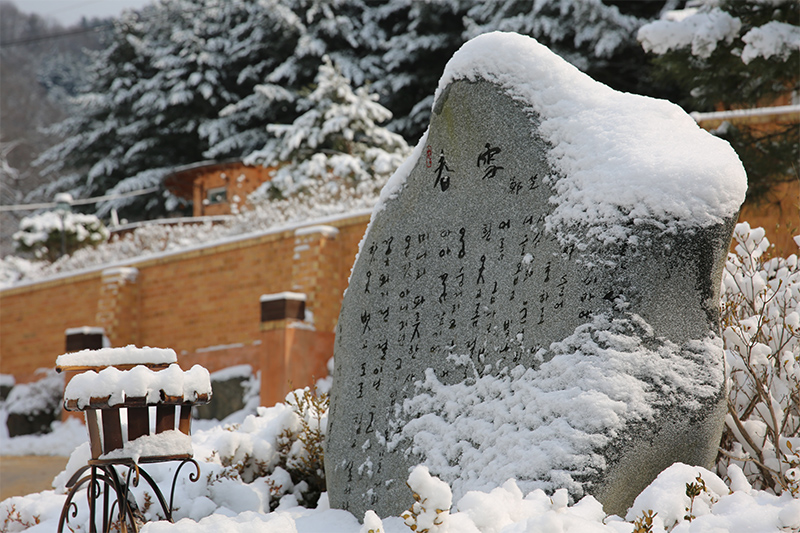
634	462
536	295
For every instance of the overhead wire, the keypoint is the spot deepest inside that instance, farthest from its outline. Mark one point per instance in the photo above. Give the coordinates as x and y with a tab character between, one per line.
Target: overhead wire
80	201
69	33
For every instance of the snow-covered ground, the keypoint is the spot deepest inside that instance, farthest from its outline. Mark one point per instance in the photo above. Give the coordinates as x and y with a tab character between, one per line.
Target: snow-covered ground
222	501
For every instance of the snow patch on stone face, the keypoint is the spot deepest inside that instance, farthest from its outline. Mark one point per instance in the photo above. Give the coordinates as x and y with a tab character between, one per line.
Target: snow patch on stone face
619	158
599	379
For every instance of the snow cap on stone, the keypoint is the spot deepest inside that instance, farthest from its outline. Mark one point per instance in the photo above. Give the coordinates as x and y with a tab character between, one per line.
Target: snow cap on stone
619	157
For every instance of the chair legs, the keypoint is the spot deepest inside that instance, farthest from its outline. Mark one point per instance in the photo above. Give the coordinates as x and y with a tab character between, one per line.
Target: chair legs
110	501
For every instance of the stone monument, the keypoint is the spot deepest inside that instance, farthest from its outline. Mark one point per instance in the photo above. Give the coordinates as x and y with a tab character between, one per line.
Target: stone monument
536	295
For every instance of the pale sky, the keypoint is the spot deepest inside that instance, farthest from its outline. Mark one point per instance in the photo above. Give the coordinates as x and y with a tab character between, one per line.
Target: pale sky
69	12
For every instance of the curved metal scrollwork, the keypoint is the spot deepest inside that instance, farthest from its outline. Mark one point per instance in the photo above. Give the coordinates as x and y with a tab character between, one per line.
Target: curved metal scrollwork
193	477
103	483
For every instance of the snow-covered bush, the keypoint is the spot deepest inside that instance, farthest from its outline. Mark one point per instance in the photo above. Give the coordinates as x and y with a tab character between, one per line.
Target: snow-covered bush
280	446
301	448
41	235
42	396
7	382
761	322
337	141
33	407
432	501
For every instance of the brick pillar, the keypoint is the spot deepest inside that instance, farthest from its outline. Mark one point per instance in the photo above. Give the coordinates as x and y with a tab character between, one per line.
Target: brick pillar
278	313
77	339
118	306
298	340
313	247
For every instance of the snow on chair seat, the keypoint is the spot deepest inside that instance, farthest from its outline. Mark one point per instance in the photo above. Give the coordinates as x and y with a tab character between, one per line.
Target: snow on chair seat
122	358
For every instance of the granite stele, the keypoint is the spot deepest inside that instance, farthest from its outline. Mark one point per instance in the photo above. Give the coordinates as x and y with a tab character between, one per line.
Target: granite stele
536	295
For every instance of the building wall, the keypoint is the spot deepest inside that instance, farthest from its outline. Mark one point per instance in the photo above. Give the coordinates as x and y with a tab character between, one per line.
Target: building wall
239	181
779	215
203	303
34	318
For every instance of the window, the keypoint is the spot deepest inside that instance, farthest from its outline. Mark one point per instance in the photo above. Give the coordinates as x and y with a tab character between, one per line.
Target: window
217	195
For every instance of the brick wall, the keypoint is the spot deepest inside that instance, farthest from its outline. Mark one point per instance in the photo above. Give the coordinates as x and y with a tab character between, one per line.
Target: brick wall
34	319
203	303
779	215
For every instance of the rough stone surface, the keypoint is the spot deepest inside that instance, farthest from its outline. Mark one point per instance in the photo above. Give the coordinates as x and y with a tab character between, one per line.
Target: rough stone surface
459	274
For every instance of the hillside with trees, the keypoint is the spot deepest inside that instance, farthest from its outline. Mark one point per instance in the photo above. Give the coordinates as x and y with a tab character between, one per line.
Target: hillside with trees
182	81
41	66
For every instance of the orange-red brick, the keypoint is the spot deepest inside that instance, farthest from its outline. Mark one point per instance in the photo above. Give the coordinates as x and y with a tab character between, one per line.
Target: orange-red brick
203	303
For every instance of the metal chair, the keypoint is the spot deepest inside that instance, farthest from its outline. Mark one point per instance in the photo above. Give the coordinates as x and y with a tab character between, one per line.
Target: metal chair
126	432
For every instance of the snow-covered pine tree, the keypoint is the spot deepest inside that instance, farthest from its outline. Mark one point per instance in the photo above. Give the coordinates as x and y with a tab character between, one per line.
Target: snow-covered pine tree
169	69
339	29
303	31
336	142
263	43
732	54
177	83
414	40
104	123
597	36
402	46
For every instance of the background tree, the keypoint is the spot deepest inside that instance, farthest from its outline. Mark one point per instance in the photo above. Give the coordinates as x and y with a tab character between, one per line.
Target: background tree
40	63
262	43
169	69
414	41
401	47
337	142
312	30
49	235
735	54
186	80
